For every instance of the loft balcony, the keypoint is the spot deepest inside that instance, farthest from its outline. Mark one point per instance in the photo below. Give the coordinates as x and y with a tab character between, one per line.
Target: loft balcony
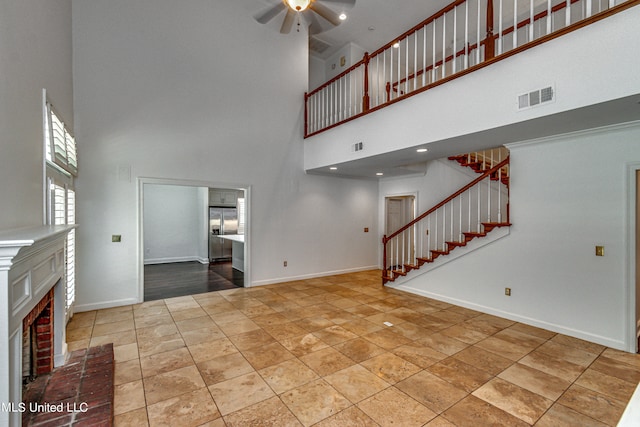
477	74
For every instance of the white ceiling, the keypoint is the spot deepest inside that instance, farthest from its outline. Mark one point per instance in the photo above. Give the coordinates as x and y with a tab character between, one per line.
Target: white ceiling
389	19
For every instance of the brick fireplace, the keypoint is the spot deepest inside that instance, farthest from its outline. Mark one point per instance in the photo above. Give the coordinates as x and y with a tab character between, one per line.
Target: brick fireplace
32	297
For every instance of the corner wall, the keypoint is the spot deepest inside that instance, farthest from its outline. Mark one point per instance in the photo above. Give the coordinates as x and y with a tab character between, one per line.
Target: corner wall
198	91
568	194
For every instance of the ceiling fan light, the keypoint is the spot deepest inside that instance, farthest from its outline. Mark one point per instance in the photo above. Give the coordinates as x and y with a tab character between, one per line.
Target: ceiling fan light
298	5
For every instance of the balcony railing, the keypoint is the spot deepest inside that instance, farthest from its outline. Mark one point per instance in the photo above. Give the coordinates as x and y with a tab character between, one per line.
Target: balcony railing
460	38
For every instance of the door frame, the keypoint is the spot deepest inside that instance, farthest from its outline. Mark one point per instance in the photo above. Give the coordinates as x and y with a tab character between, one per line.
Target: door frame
191	183
633	247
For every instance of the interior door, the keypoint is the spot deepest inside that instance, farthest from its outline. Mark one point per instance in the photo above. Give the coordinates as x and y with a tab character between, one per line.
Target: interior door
400	210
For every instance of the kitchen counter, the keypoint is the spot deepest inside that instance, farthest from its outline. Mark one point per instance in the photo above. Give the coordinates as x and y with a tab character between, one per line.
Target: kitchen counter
234	237
237	250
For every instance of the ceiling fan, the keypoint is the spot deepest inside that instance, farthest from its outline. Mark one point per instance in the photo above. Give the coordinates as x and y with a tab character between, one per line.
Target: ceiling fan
318	17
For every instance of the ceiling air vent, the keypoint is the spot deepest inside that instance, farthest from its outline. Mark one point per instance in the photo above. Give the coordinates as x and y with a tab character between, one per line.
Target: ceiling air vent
536	97
358	146
318	46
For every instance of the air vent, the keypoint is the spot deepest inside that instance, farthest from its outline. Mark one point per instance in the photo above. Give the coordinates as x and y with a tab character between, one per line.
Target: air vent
536	97
358	146
318	46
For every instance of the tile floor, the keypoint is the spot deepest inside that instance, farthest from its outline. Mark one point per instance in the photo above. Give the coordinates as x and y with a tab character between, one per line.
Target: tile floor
317	352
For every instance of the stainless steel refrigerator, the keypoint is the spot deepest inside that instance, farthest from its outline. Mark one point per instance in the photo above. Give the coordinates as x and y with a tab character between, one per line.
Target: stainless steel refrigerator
221	221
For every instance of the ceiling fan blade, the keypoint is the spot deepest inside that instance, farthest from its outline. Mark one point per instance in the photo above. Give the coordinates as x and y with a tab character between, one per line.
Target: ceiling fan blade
315	26
347	3
325	12
270	13
288	21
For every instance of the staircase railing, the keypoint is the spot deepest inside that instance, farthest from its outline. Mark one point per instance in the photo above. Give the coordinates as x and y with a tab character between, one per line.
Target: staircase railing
462	37
470	212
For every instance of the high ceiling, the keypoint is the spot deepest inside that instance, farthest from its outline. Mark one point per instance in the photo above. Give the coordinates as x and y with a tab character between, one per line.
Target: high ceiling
371	24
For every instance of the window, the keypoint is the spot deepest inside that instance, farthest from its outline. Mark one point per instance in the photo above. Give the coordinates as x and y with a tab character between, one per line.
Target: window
61	169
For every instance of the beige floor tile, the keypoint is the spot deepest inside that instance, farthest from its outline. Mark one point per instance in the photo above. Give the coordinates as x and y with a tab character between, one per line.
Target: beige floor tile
224	368
303	344
532	330
113	316
171	384
128	396
315	401
351	416
189	409
287	375
606	384
578	343
483	359
561	416
78	345
202	335
238	327
513	399
85	319
212	349
472	411
240	392
267	355
536	381
460	374
160	363
565	352
392	407
149	346
326	361
596	405
617	369
248	340
153	321
269	413
552	365
387	338
390	367
156	332
359	349
190	313
621	356
504	348
118	338
466	335
443	343
195	323
418	354
285	331
135	418
335	334
79	333
122	353
312	324
128	371
356	383
432	391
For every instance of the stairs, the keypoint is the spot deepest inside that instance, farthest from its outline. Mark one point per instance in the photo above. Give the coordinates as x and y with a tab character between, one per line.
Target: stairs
470	213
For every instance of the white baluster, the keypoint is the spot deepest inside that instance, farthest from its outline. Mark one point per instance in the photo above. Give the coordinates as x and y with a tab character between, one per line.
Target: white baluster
478	35
515	23
531	22
455	33
549	17
444	45
433	53
424	56
500	27
466	35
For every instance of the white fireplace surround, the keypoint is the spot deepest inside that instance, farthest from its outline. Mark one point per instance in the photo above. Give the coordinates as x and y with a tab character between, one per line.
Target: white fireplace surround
31	263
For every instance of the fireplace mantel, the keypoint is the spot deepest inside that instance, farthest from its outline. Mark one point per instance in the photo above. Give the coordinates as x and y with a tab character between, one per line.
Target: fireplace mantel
31	264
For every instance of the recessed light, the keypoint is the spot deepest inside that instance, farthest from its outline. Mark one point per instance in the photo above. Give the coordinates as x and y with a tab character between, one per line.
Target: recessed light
421	150
333	168
379	173
342	16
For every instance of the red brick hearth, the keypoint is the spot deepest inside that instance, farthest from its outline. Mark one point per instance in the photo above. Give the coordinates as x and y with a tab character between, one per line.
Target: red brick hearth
40	323
80	393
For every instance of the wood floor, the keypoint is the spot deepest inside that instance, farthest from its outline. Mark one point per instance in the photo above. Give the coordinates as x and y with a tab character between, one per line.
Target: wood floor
188	278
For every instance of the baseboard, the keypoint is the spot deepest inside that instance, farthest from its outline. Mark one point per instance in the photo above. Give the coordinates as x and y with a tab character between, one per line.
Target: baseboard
312	276
169	260
78	308
561	329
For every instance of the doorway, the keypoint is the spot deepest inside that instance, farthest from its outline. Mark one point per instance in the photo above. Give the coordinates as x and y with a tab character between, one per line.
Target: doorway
400	210
637	270
174	228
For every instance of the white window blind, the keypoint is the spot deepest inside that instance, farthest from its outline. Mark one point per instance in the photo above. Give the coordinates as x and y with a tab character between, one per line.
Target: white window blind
62	166
60	143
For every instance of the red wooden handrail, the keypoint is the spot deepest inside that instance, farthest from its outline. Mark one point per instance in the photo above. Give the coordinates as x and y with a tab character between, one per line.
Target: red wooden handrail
487	61
491	171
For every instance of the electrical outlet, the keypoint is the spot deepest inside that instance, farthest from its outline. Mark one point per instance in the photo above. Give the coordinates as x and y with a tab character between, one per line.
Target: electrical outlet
285	263
599	250
366	229
507	291
116	238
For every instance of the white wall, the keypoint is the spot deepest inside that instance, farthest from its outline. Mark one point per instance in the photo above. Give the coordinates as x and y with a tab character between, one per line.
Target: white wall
173	223
568	194
197	91
35	53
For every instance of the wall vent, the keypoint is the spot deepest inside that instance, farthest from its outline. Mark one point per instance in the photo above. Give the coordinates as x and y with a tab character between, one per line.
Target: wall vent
317	46
536	97
358	146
